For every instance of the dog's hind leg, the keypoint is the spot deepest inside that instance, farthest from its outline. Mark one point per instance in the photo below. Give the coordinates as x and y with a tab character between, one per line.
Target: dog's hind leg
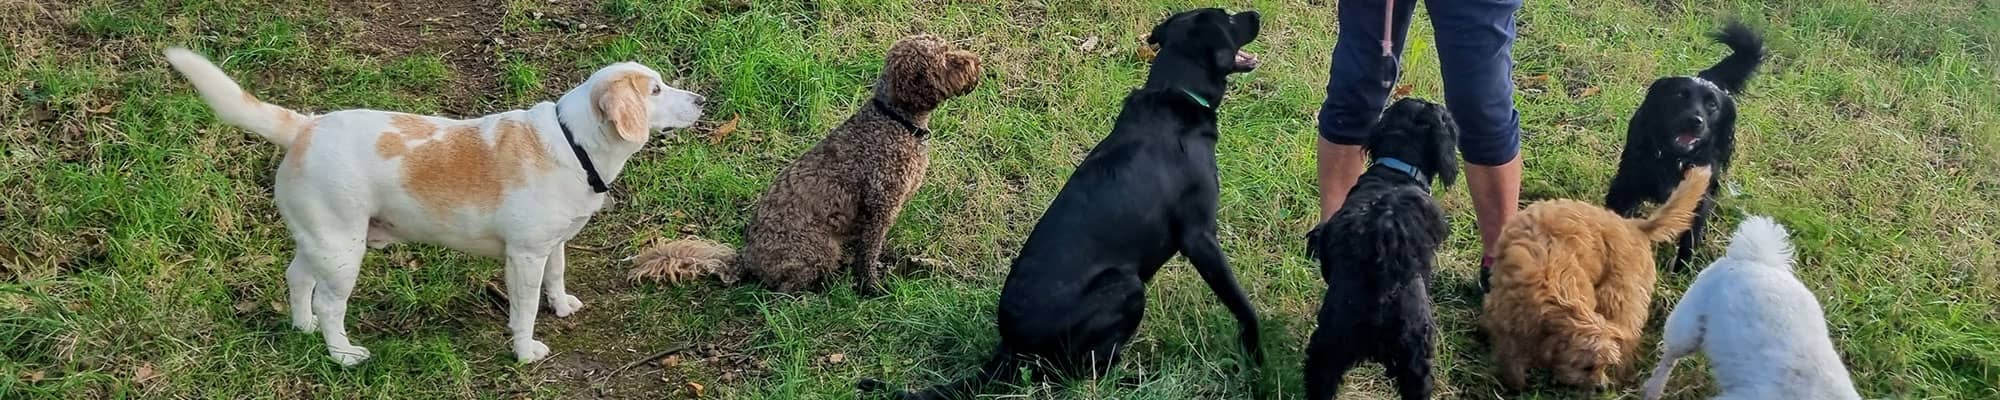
1201	249
299	279
1410	364
1327	364
334	261
1683	334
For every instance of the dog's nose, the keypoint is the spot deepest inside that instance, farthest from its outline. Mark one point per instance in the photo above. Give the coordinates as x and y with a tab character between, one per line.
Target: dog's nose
700	100
1693	121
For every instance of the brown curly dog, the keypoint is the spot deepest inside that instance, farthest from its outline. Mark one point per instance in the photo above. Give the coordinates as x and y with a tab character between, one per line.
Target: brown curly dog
846	191
1573	282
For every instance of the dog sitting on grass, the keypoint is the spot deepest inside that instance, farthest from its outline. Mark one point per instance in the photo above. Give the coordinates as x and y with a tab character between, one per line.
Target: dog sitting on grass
515	185
846	191
1762	330
1077	291
1572	285
1685	121
1377	255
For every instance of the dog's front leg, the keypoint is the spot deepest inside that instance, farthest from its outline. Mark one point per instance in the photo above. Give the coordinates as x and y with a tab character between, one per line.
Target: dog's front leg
1691	240
524	281
879	208
1205	253
552	282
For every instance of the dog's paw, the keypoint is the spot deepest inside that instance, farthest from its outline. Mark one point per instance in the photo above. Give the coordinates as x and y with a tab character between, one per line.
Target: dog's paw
565	305
306	323
527	351
349	356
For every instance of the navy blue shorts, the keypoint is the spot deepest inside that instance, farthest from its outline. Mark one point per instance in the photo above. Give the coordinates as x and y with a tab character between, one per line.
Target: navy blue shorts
1475	40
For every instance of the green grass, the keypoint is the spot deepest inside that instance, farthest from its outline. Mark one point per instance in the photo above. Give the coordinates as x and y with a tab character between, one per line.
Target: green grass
140	254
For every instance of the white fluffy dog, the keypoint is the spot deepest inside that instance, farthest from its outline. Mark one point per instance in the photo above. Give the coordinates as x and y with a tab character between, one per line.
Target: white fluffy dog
1761	329
514	185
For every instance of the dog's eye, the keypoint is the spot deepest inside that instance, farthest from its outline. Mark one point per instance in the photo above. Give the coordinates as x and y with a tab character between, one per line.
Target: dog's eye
656	90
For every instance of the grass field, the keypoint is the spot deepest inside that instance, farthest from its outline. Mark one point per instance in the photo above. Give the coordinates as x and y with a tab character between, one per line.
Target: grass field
141	255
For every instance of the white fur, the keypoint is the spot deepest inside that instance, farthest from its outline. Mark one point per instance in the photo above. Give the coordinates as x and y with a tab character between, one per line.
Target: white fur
345	196
1761	329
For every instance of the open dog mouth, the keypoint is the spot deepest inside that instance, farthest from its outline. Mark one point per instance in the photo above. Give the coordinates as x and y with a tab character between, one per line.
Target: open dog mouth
1246	61
1687	140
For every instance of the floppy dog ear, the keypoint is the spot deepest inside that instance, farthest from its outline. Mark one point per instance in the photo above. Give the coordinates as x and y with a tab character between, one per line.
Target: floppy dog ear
622	105
1444	153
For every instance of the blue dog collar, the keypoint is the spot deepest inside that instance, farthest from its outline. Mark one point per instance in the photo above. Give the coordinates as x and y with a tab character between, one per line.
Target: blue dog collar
1406	168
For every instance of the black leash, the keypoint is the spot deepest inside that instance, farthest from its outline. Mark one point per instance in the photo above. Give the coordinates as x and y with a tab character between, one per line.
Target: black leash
898	117
589	170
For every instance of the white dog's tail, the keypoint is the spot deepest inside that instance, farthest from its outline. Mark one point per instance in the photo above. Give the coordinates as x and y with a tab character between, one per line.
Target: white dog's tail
1763	242
231	103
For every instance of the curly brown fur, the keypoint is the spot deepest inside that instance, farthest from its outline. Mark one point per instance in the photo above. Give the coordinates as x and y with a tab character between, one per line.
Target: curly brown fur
846	191
1572	285
684	260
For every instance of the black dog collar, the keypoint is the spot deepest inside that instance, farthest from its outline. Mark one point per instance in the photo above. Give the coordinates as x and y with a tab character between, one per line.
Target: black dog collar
1406	168
589	170
884	108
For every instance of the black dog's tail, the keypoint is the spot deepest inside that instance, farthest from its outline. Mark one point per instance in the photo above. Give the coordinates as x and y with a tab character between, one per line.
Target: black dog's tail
1002	367
1747	52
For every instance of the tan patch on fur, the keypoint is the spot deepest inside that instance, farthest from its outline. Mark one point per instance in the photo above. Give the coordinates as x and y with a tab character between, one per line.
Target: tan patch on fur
459	169
395	142
684	260
621	103
295	154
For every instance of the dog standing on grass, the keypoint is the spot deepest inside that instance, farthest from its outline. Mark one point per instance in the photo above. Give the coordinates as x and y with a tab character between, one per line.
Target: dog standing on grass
1378	253
1685	121
1572	285
1762	330
846	191
1077	291
515	185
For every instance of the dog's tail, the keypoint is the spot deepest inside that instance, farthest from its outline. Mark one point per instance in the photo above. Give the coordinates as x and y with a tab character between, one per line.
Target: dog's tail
1002	367
1763	242
685	259
233	105
1746	53
1672	218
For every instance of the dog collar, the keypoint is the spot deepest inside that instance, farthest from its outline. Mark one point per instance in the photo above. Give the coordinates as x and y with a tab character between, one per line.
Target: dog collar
1197	98
583	159
883	107
1406	168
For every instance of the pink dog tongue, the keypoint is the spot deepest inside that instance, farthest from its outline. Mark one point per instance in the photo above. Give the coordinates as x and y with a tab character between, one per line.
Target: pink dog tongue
1245	60
1686	140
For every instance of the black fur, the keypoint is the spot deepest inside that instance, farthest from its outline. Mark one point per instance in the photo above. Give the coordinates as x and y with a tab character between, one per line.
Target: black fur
1076	293
1377	255
1678	107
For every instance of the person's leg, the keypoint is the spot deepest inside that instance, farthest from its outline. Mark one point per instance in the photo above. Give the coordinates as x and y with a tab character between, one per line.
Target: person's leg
1475	41
1354	95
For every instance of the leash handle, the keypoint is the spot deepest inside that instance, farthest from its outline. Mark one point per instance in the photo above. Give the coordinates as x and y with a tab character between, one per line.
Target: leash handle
1388	67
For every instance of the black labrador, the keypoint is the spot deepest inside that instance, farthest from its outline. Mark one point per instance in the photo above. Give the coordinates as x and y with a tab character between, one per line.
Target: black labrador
1685	121
1077	291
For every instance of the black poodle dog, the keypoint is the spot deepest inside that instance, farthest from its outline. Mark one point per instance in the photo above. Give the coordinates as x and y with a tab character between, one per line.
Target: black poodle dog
1377	255
1685	121
1077	291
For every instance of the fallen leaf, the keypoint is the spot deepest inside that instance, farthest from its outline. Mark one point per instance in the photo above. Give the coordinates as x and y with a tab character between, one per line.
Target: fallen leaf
277	306
670	361
1588	91
1089	44
1404	90
696	388
835	358
32	376
1146	51
715	137
1533	82
145	373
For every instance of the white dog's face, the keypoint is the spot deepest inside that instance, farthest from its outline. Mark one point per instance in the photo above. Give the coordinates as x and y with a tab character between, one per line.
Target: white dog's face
633	101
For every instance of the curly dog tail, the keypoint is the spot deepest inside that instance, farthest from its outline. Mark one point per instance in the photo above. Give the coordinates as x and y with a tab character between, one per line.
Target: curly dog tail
1674	217
685	259
1763	242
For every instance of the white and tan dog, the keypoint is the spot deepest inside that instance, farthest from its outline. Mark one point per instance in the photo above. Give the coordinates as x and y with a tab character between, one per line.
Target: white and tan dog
515	185
1760	327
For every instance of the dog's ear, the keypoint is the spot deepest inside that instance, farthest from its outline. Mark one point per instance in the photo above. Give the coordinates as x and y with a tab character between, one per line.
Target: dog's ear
1244	27
623	104
1444	152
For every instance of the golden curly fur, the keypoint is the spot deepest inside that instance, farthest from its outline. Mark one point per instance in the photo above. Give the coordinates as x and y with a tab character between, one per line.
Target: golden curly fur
683	260
846	191
1573	282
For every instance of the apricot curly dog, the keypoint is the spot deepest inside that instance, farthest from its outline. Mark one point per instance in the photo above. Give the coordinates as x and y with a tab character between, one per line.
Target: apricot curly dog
846	191
1572	285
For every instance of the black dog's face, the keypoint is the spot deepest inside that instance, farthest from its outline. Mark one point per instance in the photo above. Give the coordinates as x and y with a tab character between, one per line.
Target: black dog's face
1418	132
1685	112
1211	36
